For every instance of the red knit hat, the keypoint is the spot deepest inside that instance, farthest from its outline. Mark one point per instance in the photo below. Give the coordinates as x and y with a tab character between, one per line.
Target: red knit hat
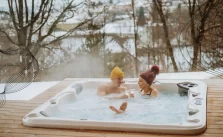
150	75
155	69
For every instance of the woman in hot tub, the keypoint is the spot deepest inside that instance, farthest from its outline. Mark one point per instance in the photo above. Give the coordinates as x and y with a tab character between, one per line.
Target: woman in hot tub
146	79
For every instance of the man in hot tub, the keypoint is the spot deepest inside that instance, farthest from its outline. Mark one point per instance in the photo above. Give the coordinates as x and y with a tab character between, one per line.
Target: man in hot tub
146	79
115	87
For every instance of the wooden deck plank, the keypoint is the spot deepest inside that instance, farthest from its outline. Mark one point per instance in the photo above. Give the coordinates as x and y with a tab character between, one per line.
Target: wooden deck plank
30	135
12	113
95	135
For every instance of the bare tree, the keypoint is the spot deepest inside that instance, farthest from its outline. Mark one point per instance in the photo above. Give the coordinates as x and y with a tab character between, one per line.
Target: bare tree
35	21
199	13
32	25
159	8
135	37
141	17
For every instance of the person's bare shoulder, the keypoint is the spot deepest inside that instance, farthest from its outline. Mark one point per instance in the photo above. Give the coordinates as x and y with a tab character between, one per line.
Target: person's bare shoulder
101	91
155	92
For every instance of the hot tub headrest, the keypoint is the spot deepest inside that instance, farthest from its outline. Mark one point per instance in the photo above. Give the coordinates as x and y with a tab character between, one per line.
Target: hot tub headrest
78	87
186	85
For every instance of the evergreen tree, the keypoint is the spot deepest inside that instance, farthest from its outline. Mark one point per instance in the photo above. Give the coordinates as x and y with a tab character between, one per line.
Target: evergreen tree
141	18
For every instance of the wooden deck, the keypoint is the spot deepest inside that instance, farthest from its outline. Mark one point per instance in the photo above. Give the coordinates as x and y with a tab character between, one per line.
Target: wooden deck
12	113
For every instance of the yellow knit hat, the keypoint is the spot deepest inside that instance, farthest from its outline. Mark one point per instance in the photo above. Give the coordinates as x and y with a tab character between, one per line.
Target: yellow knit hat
116	73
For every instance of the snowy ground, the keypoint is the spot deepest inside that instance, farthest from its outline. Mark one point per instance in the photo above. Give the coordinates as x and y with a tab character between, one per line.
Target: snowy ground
29	92
38	87
185	75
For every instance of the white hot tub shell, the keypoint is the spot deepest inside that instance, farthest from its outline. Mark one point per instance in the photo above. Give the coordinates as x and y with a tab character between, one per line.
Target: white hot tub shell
194	123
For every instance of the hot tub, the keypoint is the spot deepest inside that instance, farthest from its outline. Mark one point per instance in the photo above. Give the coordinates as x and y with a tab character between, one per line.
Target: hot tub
180	108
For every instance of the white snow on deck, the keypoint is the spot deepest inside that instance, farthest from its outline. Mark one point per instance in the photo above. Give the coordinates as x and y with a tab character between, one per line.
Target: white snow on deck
29	92
185	75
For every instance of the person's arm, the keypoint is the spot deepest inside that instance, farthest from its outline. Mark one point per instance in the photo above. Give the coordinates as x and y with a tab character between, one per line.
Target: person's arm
101	93
123	96
122	89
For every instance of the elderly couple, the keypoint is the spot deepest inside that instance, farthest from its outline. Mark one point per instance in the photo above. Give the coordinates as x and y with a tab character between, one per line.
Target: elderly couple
145	81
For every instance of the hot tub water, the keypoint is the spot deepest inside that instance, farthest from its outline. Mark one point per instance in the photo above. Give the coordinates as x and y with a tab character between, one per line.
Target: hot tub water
167	108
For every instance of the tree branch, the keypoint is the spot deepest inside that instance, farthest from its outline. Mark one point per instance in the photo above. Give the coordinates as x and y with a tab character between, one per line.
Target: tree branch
9	51
12	15
45	20
69	32
56	22
27	12
36	17
31	26
9	38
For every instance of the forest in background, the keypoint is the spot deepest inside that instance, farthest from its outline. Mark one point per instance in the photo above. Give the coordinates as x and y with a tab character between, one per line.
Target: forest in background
50	41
